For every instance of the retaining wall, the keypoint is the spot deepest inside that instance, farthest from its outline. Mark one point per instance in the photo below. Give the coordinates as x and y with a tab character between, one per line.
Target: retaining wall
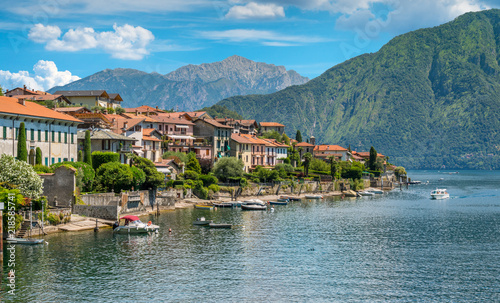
107	212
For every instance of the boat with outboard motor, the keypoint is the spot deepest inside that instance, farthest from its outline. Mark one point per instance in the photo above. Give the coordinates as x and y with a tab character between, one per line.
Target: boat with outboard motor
133	225
439	194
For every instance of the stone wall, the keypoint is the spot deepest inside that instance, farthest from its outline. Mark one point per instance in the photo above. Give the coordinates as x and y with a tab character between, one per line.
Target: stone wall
107	212
59	187
103	199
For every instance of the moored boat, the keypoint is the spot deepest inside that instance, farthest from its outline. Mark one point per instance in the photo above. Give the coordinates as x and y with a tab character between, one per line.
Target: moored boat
134	226
253	207
350	193
202	221
314	196
283	199
439	194
224	204
220	225
376	191
366	193
278	202
202	206
24	241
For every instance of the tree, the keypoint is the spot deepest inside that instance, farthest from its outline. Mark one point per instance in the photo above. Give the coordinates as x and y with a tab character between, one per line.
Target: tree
228	167
193	165
22	152
285	139
182	156
119	110
138	177
373	158
99	158
111	110
335	169
272	134
87	149
319	165
298	136
154	178
80	156
38	160
1	91
307	162
114	176
19	174
399	171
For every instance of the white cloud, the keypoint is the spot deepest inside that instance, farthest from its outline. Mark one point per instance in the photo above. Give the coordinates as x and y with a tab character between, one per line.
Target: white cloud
256	11
46	75
269	38
125	42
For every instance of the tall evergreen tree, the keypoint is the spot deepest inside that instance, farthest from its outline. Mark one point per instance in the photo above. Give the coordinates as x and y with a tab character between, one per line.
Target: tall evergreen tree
298	136
22	152
87	155
38	160
307	162
80	156
373	158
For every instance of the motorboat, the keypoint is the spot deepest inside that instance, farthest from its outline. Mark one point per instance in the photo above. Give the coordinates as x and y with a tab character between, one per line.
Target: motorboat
366	193
439	194
202	221
314	196
254	202
253	207
376	191
24	241
350	193
133	225
294	199
283	199
220	225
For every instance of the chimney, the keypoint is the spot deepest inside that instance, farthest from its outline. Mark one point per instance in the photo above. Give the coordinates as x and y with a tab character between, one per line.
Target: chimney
24	90
113	121
22	101
147	113
125	126
136	112
157	108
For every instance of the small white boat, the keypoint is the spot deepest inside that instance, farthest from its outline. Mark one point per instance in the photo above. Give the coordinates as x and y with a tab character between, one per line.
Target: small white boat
314	197
366	193
253	207
134	226
202	221
254	202
376	191
439	194
24	241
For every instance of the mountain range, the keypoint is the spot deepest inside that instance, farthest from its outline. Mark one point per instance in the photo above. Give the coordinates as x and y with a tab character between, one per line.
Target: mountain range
192	86
428	98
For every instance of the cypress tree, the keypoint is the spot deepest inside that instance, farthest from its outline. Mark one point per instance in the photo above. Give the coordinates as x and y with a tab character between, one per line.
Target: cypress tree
87	155
373	158
22	152
298	136
80	156
38	160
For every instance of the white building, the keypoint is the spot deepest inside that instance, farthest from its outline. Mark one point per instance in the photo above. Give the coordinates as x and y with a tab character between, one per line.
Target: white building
53	132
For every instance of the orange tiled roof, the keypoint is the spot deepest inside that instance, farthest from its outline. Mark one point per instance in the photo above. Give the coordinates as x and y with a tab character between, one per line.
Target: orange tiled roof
326	147
367	154
142	108
269	124
240	139
304	144
214	123
12	106
134	116
166	118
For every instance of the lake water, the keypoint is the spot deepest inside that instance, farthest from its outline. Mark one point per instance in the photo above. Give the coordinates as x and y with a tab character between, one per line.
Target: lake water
396	247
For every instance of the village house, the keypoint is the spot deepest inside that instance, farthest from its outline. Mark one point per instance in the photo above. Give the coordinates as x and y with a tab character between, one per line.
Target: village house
240	126
325	151
241	148
303	148
271	126
144	110
91	98
53	132
107	141
214	133
276	152
365	156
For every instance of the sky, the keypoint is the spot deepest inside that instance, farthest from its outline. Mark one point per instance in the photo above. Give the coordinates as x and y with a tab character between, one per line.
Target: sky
54	42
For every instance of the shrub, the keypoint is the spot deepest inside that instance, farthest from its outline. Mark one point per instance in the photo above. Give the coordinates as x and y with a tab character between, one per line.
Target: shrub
228	167
42	169
208	180
243	182
21	175
193	165
99	158
138	177
214	187
53	219
154	178
191	175
318	165
352	173
114	176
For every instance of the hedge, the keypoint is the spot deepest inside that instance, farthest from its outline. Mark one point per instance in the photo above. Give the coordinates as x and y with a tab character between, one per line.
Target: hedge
99	158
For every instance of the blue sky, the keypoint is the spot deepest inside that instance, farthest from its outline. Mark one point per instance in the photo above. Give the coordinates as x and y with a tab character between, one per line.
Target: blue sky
54	42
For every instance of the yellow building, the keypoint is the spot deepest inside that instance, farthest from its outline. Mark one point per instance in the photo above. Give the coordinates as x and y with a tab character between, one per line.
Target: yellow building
91	98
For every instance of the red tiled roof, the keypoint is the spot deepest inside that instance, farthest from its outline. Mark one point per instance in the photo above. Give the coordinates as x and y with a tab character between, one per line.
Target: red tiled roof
166	118
268	124
367	154
71	109
134	116
325	147
142	108
12	106
240	139
214	123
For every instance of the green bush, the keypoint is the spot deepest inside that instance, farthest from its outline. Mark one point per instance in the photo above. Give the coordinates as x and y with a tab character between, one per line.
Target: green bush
99	158
53	219
42	169
138	177
214	187
114	175
200	191
318	165
243	182
208	180
352	173
190	175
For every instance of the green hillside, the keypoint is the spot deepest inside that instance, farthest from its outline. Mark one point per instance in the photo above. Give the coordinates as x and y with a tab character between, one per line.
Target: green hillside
428	98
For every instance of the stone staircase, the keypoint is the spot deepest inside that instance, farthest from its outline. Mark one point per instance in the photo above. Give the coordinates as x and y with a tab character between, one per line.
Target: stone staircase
24	231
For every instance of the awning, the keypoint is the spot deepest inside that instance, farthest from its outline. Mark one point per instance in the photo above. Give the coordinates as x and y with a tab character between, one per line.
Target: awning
180	137
163	170
130	218
181	126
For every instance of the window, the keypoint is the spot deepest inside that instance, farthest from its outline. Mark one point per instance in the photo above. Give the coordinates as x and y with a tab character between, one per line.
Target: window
16	130
247	158
53	160
5	132
32	135
72	138
218	144
59	160
39	135
59	135
72	159
46	136
208	152
65	137
53	138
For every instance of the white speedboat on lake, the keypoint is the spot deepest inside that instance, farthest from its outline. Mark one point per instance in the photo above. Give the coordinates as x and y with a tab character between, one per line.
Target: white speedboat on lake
134	226
439	194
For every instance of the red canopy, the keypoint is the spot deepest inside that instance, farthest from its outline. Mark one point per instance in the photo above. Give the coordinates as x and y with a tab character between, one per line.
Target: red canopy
130	218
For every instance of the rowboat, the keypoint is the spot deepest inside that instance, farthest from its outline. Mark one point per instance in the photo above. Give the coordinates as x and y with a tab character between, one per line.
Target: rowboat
314	197
201	206
350	193
24	241
253	205
278	202
294	199
283	200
